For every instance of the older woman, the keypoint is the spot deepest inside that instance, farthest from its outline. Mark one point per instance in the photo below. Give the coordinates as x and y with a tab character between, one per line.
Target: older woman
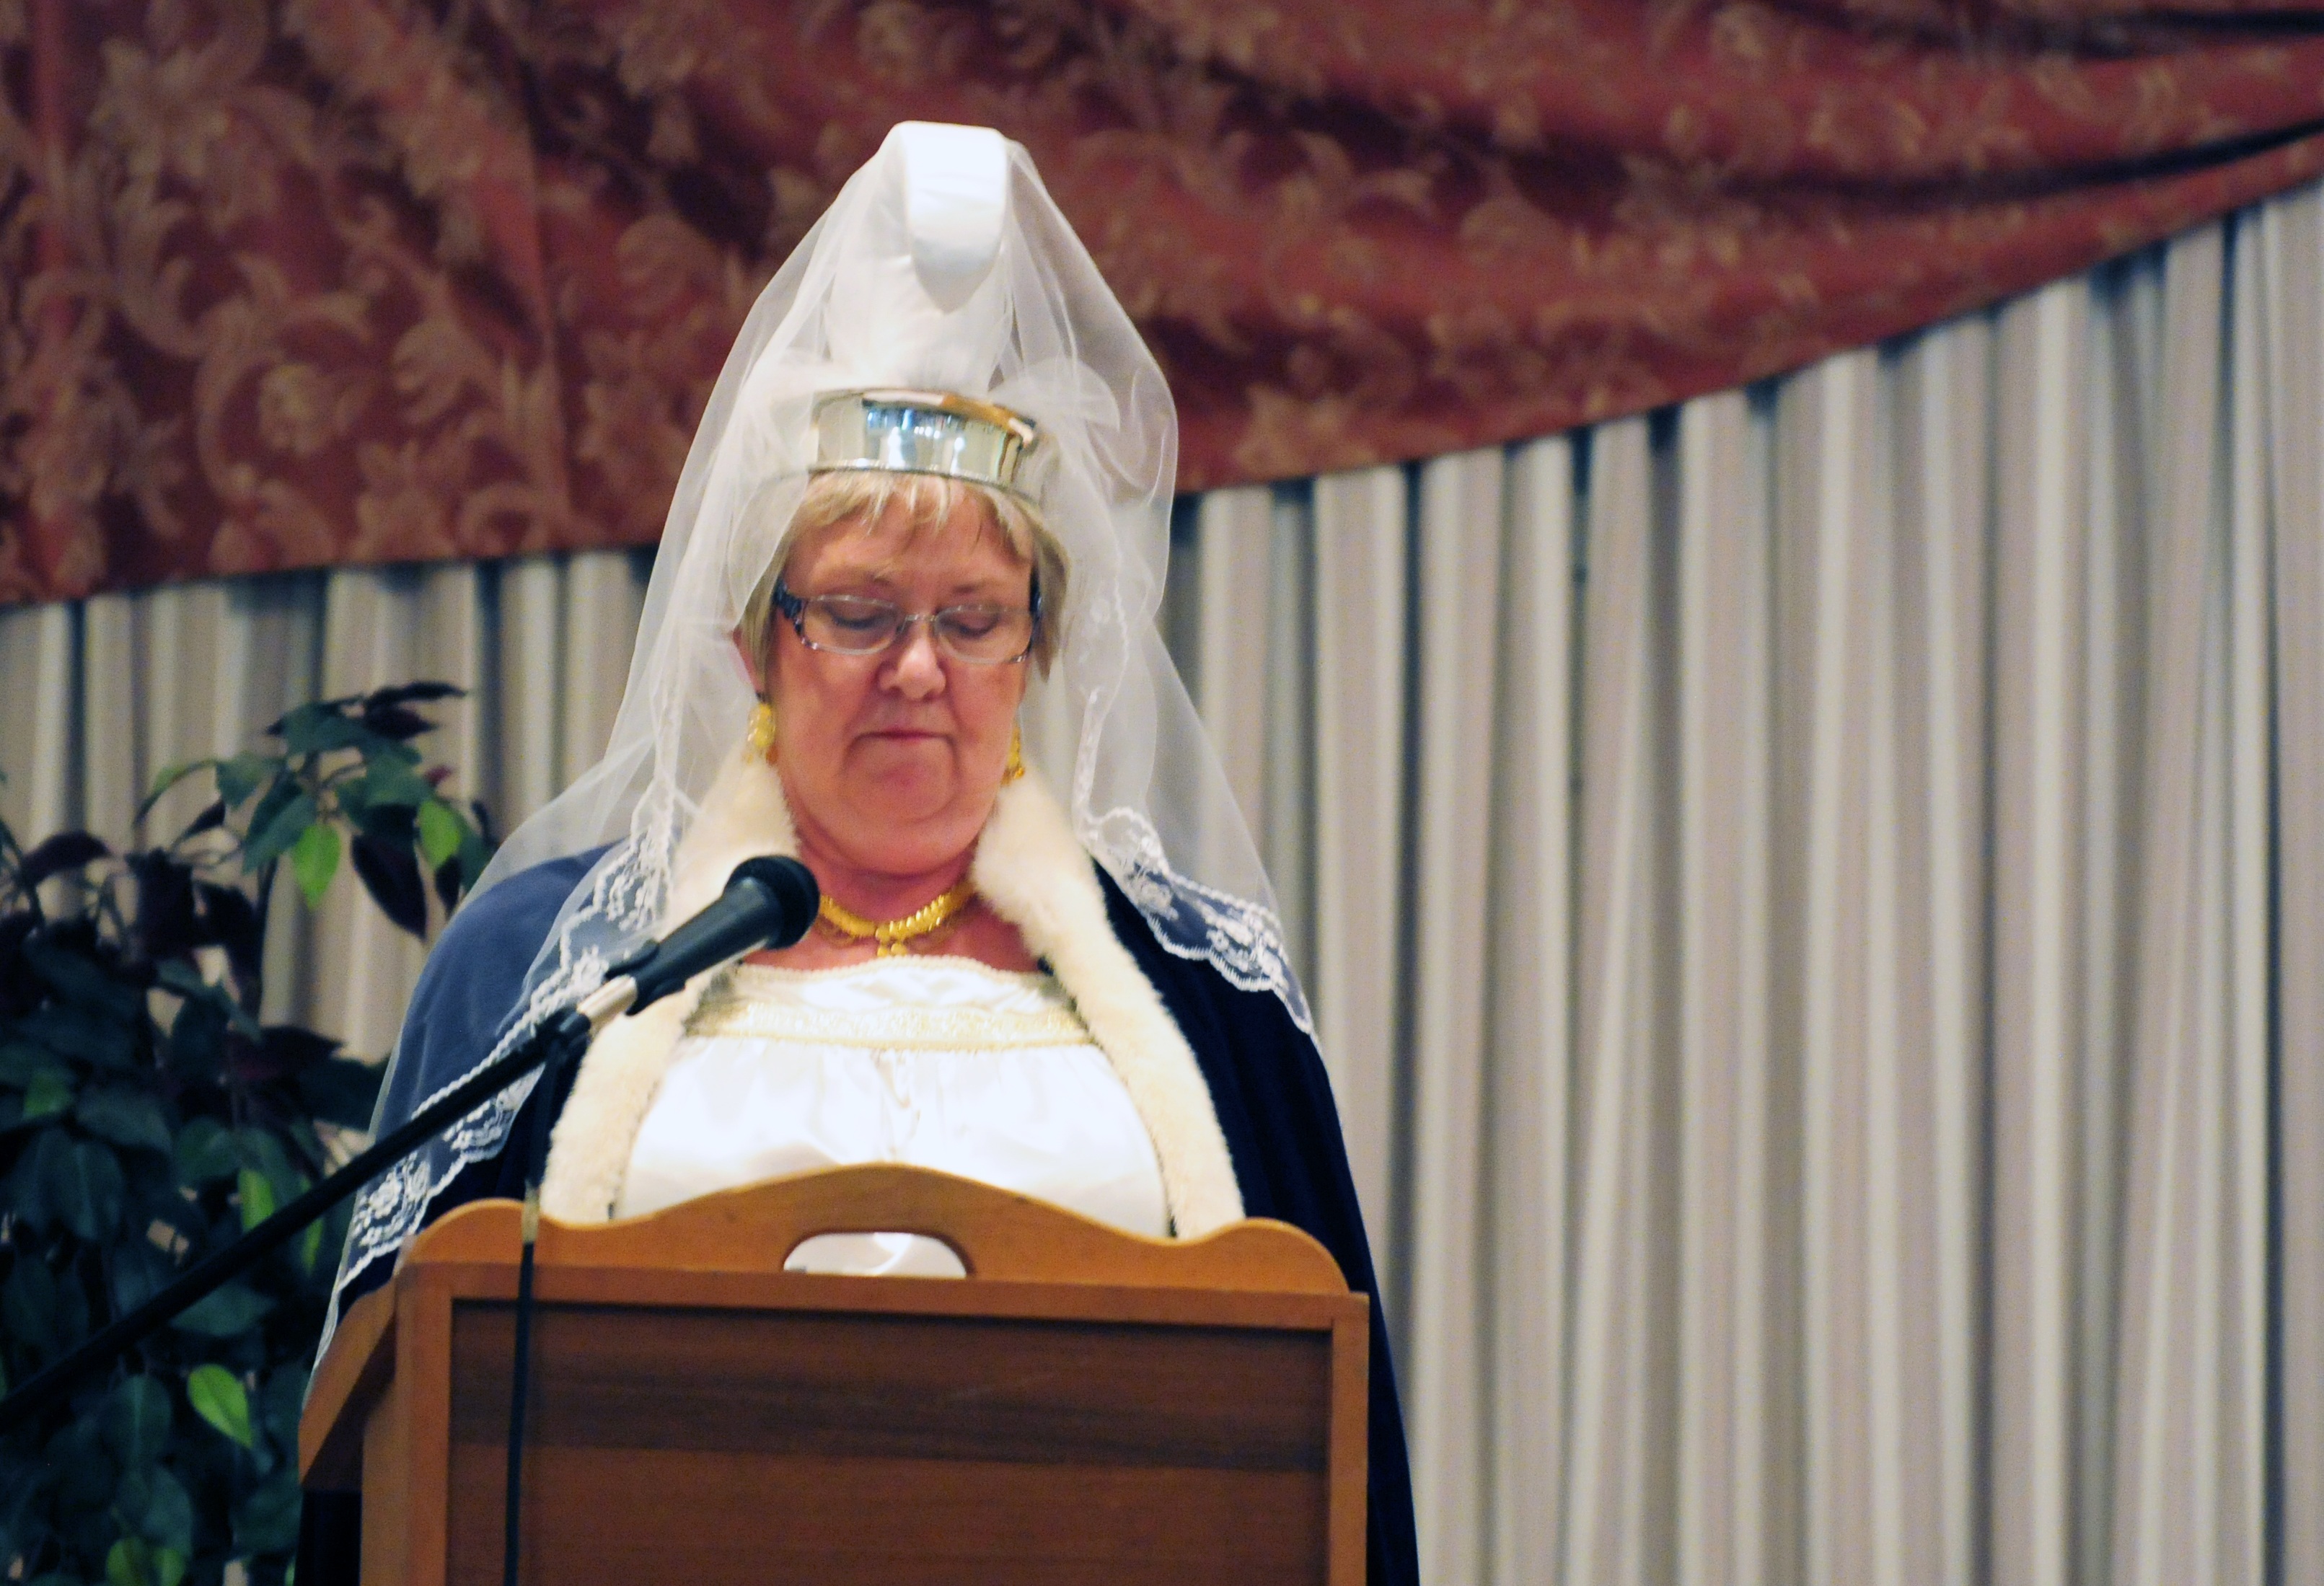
888	642
927	503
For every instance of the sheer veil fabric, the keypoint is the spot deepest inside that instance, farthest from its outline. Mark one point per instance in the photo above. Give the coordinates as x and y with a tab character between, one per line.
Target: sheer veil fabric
944	265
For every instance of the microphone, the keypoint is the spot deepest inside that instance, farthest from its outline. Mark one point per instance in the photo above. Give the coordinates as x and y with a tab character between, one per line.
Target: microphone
769	902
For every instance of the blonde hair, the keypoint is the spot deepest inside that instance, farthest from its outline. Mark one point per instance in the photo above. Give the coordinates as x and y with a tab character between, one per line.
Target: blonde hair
929	501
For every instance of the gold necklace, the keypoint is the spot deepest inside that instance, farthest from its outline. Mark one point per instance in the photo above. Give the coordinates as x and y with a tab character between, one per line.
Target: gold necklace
895	936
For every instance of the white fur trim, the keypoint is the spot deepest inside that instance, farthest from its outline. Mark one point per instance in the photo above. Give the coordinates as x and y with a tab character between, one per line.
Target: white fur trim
1032	871
743	816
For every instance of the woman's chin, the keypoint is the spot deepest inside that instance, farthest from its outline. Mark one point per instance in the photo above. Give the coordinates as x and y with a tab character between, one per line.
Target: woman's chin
901	840
915	811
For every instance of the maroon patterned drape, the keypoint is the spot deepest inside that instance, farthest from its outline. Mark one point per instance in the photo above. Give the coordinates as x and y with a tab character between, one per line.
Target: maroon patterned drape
357	280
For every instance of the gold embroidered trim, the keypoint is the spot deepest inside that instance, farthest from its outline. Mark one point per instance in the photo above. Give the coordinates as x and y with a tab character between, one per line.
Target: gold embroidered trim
726	1012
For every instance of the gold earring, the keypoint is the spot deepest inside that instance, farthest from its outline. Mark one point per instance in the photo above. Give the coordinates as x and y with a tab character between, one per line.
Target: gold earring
762	737
1015	768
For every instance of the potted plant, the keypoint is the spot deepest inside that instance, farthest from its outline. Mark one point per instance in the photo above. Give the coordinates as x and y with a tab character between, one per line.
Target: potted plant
148	1117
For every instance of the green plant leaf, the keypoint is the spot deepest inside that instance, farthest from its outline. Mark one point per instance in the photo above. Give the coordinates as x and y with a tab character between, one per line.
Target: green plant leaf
238	778
28	1305
267	1521
84	983
197	1045
219	1398
28	1185
76	1182
154	1505
441	831
84	1473
138	1269
206	1152
282	829
131	1563
391	780
49	1093
19	1061
125	1117
258	1149
136	1423
169	777
315	860
72	1307
319	729
225	1312
278	1404
75	1032
474	855
256	1194
89	1194
182	979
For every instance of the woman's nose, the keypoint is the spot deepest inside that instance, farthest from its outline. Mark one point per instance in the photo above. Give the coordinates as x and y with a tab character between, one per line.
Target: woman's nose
914	668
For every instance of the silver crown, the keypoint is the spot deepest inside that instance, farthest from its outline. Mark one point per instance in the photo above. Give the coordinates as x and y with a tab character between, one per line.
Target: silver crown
928	432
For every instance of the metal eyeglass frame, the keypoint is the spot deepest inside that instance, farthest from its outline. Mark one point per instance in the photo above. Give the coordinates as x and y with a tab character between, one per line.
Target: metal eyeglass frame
793	605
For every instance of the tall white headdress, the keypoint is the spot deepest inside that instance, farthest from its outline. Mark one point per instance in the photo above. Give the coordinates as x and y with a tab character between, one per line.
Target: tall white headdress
943	268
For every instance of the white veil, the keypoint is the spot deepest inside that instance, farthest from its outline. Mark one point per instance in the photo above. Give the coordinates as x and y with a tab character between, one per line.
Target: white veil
943	264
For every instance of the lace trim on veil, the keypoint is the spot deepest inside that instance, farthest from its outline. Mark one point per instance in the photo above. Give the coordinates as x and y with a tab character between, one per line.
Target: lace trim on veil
1242	940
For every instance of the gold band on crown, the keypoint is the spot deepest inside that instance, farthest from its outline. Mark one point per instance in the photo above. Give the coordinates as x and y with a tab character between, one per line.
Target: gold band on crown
927	432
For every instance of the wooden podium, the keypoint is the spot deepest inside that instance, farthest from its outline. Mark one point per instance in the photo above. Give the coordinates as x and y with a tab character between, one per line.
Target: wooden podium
1085	1406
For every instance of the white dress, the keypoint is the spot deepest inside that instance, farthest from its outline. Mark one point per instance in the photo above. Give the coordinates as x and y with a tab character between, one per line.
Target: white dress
935	1061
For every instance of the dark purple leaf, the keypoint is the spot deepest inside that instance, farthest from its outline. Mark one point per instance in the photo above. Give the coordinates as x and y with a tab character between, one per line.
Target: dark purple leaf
423	693
392	876
341	1091
209	819
65	851
230	920
167	925
447	883
292	1047
397	722
280	1053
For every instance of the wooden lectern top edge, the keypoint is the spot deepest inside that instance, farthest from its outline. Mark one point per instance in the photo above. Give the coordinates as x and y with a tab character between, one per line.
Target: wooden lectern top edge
997	1233
999	1236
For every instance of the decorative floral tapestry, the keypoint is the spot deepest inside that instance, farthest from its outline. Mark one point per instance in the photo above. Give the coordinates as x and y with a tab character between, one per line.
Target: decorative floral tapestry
325	281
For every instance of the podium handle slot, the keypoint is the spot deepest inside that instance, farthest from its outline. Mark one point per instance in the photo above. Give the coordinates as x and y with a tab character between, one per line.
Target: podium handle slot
877	1252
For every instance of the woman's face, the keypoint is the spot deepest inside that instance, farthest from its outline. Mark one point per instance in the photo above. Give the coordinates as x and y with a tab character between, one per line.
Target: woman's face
891	761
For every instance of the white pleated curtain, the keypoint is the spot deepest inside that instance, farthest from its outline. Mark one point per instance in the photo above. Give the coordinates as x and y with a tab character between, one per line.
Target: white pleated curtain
1811	902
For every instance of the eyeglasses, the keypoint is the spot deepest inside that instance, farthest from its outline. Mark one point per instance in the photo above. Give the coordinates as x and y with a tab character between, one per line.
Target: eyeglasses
857	624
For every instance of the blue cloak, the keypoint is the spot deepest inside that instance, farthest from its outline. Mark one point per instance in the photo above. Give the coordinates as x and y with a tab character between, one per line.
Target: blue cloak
1265	1078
